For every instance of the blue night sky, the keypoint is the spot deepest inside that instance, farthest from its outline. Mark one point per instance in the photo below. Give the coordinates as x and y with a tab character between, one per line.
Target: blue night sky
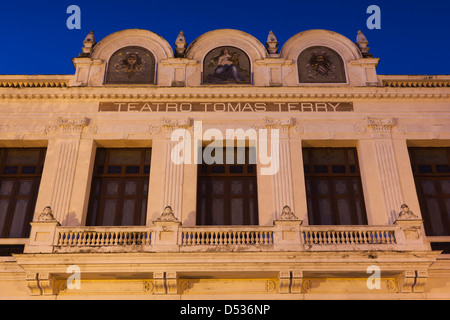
413	39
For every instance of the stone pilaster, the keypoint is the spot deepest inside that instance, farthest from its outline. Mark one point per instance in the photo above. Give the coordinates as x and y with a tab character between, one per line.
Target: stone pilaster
282	176
387	165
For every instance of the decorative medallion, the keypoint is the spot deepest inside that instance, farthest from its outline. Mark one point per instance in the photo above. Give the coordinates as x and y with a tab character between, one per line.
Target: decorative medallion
320	65
226	65
131	65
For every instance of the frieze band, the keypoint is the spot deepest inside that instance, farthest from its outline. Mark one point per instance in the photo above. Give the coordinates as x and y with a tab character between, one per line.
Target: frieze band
187	107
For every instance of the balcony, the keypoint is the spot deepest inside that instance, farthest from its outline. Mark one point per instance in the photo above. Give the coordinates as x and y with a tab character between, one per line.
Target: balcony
168	235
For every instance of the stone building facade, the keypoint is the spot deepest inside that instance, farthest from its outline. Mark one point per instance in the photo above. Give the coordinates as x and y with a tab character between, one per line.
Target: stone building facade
335	185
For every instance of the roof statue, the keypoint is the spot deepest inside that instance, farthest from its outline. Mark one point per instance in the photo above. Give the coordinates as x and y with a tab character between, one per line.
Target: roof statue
362	43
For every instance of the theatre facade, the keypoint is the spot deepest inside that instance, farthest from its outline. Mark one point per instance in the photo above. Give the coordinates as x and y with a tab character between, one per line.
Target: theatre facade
225	169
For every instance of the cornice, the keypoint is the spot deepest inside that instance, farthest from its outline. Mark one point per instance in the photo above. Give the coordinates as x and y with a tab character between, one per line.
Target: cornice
349	93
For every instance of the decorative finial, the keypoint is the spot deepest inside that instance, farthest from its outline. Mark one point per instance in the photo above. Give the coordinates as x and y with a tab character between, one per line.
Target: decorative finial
46	215
362	43
272	43
288	214
406	214
89	43
180	45
167	215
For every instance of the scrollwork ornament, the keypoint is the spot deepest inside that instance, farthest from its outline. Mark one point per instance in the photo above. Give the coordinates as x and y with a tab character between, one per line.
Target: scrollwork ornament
51	129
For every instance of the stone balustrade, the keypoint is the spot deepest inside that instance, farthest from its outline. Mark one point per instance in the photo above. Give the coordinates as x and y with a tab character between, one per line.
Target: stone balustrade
220	236
171	236
103	236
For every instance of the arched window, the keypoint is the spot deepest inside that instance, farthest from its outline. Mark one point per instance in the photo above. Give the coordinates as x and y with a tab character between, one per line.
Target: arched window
226	65
131	65
320	65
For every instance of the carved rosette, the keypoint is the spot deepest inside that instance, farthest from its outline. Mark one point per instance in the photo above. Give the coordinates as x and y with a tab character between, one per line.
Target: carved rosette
154	129
51	129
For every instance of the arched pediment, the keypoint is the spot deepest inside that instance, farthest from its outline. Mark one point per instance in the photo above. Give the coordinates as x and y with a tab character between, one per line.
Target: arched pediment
242	48
205	43
148	40
322	57
318	37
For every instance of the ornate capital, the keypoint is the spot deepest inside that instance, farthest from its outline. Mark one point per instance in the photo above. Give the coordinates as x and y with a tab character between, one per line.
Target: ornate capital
380	125
381	128
281	124
173	124
72	125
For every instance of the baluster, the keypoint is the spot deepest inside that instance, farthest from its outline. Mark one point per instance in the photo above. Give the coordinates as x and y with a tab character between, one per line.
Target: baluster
139	238
307	237
75	239
185	237
220	235
92	238
70	238
340	237
87	239
375	237
80	235
327	237
199	237
82	239
60	238
97	238
224	237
